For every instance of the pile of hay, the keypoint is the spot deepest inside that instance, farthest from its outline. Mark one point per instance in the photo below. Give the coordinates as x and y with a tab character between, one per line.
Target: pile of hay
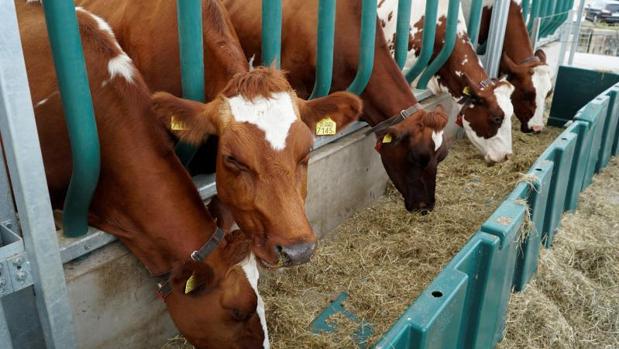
573	301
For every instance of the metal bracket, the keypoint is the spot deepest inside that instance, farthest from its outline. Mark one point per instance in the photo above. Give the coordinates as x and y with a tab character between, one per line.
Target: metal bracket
15	271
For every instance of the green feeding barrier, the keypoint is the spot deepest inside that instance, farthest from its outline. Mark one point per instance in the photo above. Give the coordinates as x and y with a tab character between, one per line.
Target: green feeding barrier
450	42
475	21
271	32
465	306
526	7
324	48
402	31
191	47
427	43
536	6
70	67
366	47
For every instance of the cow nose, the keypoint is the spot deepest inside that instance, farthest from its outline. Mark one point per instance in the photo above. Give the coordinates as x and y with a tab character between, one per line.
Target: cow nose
537	128
295	254
491	159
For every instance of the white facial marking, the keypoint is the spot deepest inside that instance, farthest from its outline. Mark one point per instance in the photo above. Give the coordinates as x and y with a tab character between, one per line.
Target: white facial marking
459	73
437	137
251	271
542	83
121	65
103	25
273	116
499	147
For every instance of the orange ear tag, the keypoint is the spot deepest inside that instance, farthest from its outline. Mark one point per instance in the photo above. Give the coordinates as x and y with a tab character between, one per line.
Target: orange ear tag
191	284
177	125
326	127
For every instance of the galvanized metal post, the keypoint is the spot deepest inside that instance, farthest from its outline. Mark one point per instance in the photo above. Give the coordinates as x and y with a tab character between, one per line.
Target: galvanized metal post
427	41
324	48
366	47
475	21
448	47
5	335
70	67
7	209
534	35
25	164
564	38
271	32
496	36
402	32
576	31
191	48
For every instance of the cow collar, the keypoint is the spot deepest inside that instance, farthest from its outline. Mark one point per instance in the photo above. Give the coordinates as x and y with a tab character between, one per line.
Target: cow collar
164	287
395	119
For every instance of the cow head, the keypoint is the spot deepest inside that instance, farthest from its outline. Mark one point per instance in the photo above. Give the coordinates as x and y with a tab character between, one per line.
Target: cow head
532	80
486	118
411	151
265	136
215	303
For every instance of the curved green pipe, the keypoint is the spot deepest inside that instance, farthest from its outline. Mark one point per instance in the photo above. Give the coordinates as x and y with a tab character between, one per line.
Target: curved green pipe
366	47
535	10
324	48
402	32
70	67
554	16
475	21
427	44
450	42
271	32
191	48
547	17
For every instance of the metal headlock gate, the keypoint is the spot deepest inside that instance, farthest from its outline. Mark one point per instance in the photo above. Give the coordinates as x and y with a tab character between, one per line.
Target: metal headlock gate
32	285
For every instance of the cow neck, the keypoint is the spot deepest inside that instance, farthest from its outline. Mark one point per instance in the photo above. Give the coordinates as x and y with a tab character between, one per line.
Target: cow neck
517	42
144	196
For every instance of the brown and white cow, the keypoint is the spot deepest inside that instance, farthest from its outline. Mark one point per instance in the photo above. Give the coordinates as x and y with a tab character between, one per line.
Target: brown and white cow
144	196
417	146
261	155
487	108
525	69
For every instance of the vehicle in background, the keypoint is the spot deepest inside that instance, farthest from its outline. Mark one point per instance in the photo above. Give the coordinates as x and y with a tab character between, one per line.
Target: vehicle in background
603	11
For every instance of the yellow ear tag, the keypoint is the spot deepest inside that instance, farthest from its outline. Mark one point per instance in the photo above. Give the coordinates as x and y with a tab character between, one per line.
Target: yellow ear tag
177	125
326	127
466	90
191	284
388	138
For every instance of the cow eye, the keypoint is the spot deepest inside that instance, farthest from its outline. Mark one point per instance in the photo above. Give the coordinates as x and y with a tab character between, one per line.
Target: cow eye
234	164
239	315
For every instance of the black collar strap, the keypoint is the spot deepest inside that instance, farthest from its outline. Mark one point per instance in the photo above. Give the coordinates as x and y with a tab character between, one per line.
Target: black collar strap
396	119
164	288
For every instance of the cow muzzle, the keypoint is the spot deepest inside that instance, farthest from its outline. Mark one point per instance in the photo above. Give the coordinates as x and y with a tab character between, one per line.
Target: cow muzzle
295	254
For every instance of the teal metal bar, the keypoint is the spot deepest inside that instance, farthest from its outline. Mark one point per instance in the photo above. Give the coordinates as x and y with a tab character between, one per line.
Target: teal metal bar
366	47
535	11
403	27
427	43
547	17
191	47
526	7
324	48
70	66
271	32
450	43
475	21
554	17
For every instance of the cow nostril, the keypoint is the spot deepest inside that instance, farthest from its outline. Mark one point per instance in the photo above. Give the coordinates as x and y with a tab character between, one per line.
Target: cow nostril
498	120
424	212
295	254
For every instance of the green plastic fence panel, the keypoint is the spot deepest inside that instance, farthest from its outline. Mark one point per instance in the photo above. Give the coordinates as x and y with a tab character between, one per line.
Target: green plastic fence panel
448	46
535	12
536	196
427	41
593	113
402	32
581	156
505	223
610	127
191	48
324	48
615	146
366	50
575	87
561	152
549	10
474	21
271	32
70	66
444	315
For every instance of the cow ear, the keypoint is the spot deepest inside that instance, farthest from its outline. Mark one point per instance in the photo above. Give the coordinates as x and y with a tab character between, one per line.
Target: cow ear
541	55
437	119
509	64
340	108
191	121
